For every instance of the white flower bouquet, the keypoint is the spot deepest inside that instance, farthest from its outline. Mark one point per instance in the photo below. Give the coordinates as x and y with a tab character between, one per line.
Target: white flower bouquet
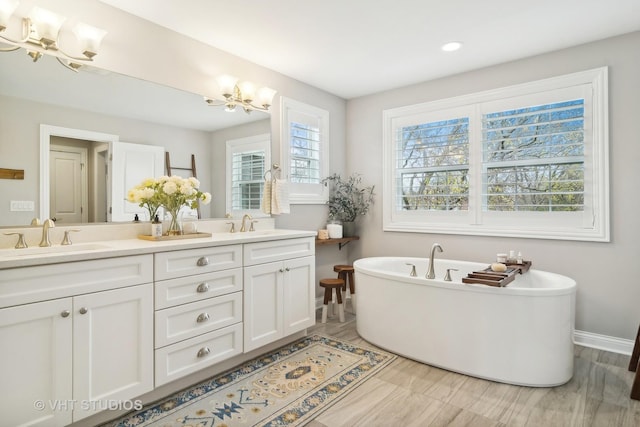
170	192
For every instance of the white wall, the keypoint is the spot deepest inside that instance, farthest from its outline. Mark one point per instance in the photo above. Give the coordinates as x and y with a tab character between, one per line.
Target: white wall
608	295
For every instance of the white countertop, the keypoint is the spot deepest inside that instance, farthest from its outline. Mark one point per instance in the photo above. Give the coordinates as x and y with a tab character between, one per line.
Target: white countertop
13	258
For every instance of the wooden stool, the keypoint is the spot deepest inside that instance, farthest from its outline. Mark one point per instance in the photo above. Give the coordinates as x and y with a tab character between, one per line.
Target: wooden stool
345	272
329	285
633	366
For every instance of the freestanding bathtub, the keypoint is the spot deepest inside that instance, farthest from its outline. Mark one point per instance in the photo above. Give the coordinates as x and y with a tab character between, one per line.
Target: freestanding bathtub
518	334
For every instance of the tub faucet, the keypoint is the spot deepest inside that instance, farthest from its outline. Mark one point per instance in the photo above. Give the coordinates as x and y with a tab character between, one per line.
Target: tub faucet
431	273
46	225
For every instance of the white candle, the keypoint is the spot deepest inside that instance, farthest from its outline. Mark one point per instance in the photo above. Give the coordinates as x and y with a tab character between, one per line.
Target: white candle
335	231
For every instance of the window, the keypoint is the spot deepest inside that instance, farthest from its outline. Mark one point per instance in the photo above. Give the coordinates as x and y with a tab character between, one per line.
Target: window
305	151
523	161
247	161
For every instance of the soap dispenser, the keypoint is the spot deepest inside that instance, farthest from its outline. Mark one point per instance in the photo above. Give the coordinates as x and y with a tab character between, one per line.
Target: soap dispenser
156	227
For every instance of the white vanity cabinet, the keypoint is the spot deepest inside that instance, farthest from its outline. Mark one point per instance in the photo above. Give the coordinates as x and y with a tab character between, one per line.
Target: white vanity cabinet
279	289
62	356
198	317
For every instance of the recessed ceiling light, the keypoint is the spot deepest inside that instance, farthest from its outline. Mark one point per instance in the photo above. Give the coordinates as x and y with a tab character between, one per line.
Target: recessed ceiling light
451	46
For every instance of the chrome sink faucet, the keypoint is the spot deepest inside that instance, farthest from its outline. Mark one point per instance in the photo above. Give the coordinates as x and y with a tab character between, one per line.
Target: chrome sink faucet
244	225
431	273
46	225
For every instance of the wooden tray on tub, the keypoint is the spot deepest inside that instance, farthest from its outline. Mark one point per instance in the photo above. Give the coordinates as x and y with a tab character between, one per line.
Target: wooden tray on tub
497	278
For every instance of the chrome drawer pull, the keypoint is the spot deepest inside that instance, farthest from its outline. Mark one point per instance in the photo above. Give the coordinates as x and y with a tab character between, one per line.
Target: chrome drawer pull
83	310
202	287
65	313
203	317
203	352
203	261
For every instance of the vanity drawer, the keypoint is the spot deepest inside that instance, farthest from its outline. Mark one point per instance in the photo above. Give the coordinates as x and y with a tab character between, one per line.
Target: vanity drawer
44	282
189	320
182	290
169	265
278	250
183	358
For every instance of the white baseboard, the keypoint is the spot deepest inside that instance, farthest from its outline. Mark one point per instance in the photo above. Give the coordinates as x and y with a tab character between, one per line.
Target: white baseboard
603	342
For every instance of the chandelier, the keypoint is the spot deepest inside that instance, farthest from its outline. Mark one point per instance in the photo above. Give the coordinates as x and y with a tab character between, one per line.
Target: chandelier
243	94
40	34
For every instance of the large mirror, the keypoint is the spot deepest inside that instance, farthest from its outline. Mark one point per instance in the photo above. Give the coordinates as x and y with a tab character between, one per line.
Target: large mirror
106	105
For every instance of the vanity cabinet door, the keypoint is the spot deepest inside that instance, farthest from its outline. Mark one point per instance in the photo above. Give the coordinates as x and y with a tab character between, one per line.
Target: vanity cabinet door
36	364
299	294
113	346
279	300
263	304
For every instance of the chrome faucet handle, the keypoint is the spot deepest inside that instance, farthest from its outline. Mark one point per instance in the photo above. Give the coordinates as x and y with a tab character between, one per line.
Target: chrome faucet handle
67	237
233	227
251	227
447	276
413	270
21	244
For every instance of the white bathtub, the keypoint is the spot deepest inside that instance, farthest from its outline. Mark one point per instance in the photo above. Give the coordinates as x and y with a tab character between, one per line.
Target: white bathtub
519	334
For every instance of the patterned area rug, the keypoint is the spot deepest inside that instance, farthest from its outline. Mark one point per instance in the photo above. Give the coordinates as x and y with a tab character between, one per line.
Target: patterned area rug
287	387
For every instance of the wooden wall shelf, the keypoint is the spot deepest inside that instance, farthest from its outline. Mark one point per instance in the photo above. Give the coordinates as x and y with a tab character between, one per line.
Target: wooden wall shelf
340	242
11	173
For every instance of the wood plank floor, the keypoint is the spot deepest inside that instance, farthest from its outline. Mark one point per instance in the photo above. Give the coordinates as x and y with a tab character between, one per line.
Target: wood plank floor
407	393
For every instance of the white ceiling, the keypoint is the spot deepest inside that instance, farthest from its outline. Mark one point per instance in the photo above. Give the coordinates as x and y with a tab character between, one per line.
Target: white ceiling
357	47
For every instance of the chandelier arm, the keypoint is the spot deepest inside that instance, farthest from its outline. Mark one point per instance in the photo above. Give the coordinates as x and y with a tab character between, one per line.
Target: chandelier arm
9	49
214	102
256	107
65	65
73	58
16	42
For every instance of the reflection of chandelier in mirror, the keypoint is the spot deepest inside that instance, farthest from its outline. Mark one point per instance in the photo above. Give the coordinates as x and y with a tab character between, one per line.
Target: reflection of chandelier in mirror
242	94
41	32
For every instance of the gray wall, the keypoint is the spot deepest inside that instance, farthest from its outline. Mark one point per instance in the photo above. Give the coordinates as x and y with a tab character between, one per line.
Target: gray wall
608	295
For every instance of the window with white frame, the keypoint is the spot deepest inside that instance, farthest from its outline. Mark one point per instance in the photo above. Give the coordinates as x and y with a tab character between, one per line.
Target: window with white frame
524	161
305	151
247	162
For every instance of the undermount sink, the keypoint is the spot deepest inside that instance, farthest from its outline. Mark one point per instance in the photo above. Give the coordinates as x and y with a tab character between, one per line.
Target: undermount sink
80	247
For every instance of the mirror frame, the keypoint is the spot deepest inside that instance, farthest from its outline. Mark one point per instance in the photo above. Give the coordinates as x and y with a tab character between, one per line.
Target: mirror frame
46	132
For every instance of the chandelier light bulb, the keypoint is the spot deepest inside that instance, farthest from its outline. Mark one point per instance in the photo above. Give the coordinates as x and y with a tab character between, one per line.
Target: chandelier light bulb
265	96
247	91
47	25
7	7
89	38
227	84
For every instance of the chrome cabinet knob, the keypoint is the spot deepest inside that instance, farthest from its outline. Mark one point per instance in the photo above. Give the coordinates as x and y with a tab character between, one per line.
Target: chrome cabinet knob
203	352
65	313
202	288
203	317
203	261
83	310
